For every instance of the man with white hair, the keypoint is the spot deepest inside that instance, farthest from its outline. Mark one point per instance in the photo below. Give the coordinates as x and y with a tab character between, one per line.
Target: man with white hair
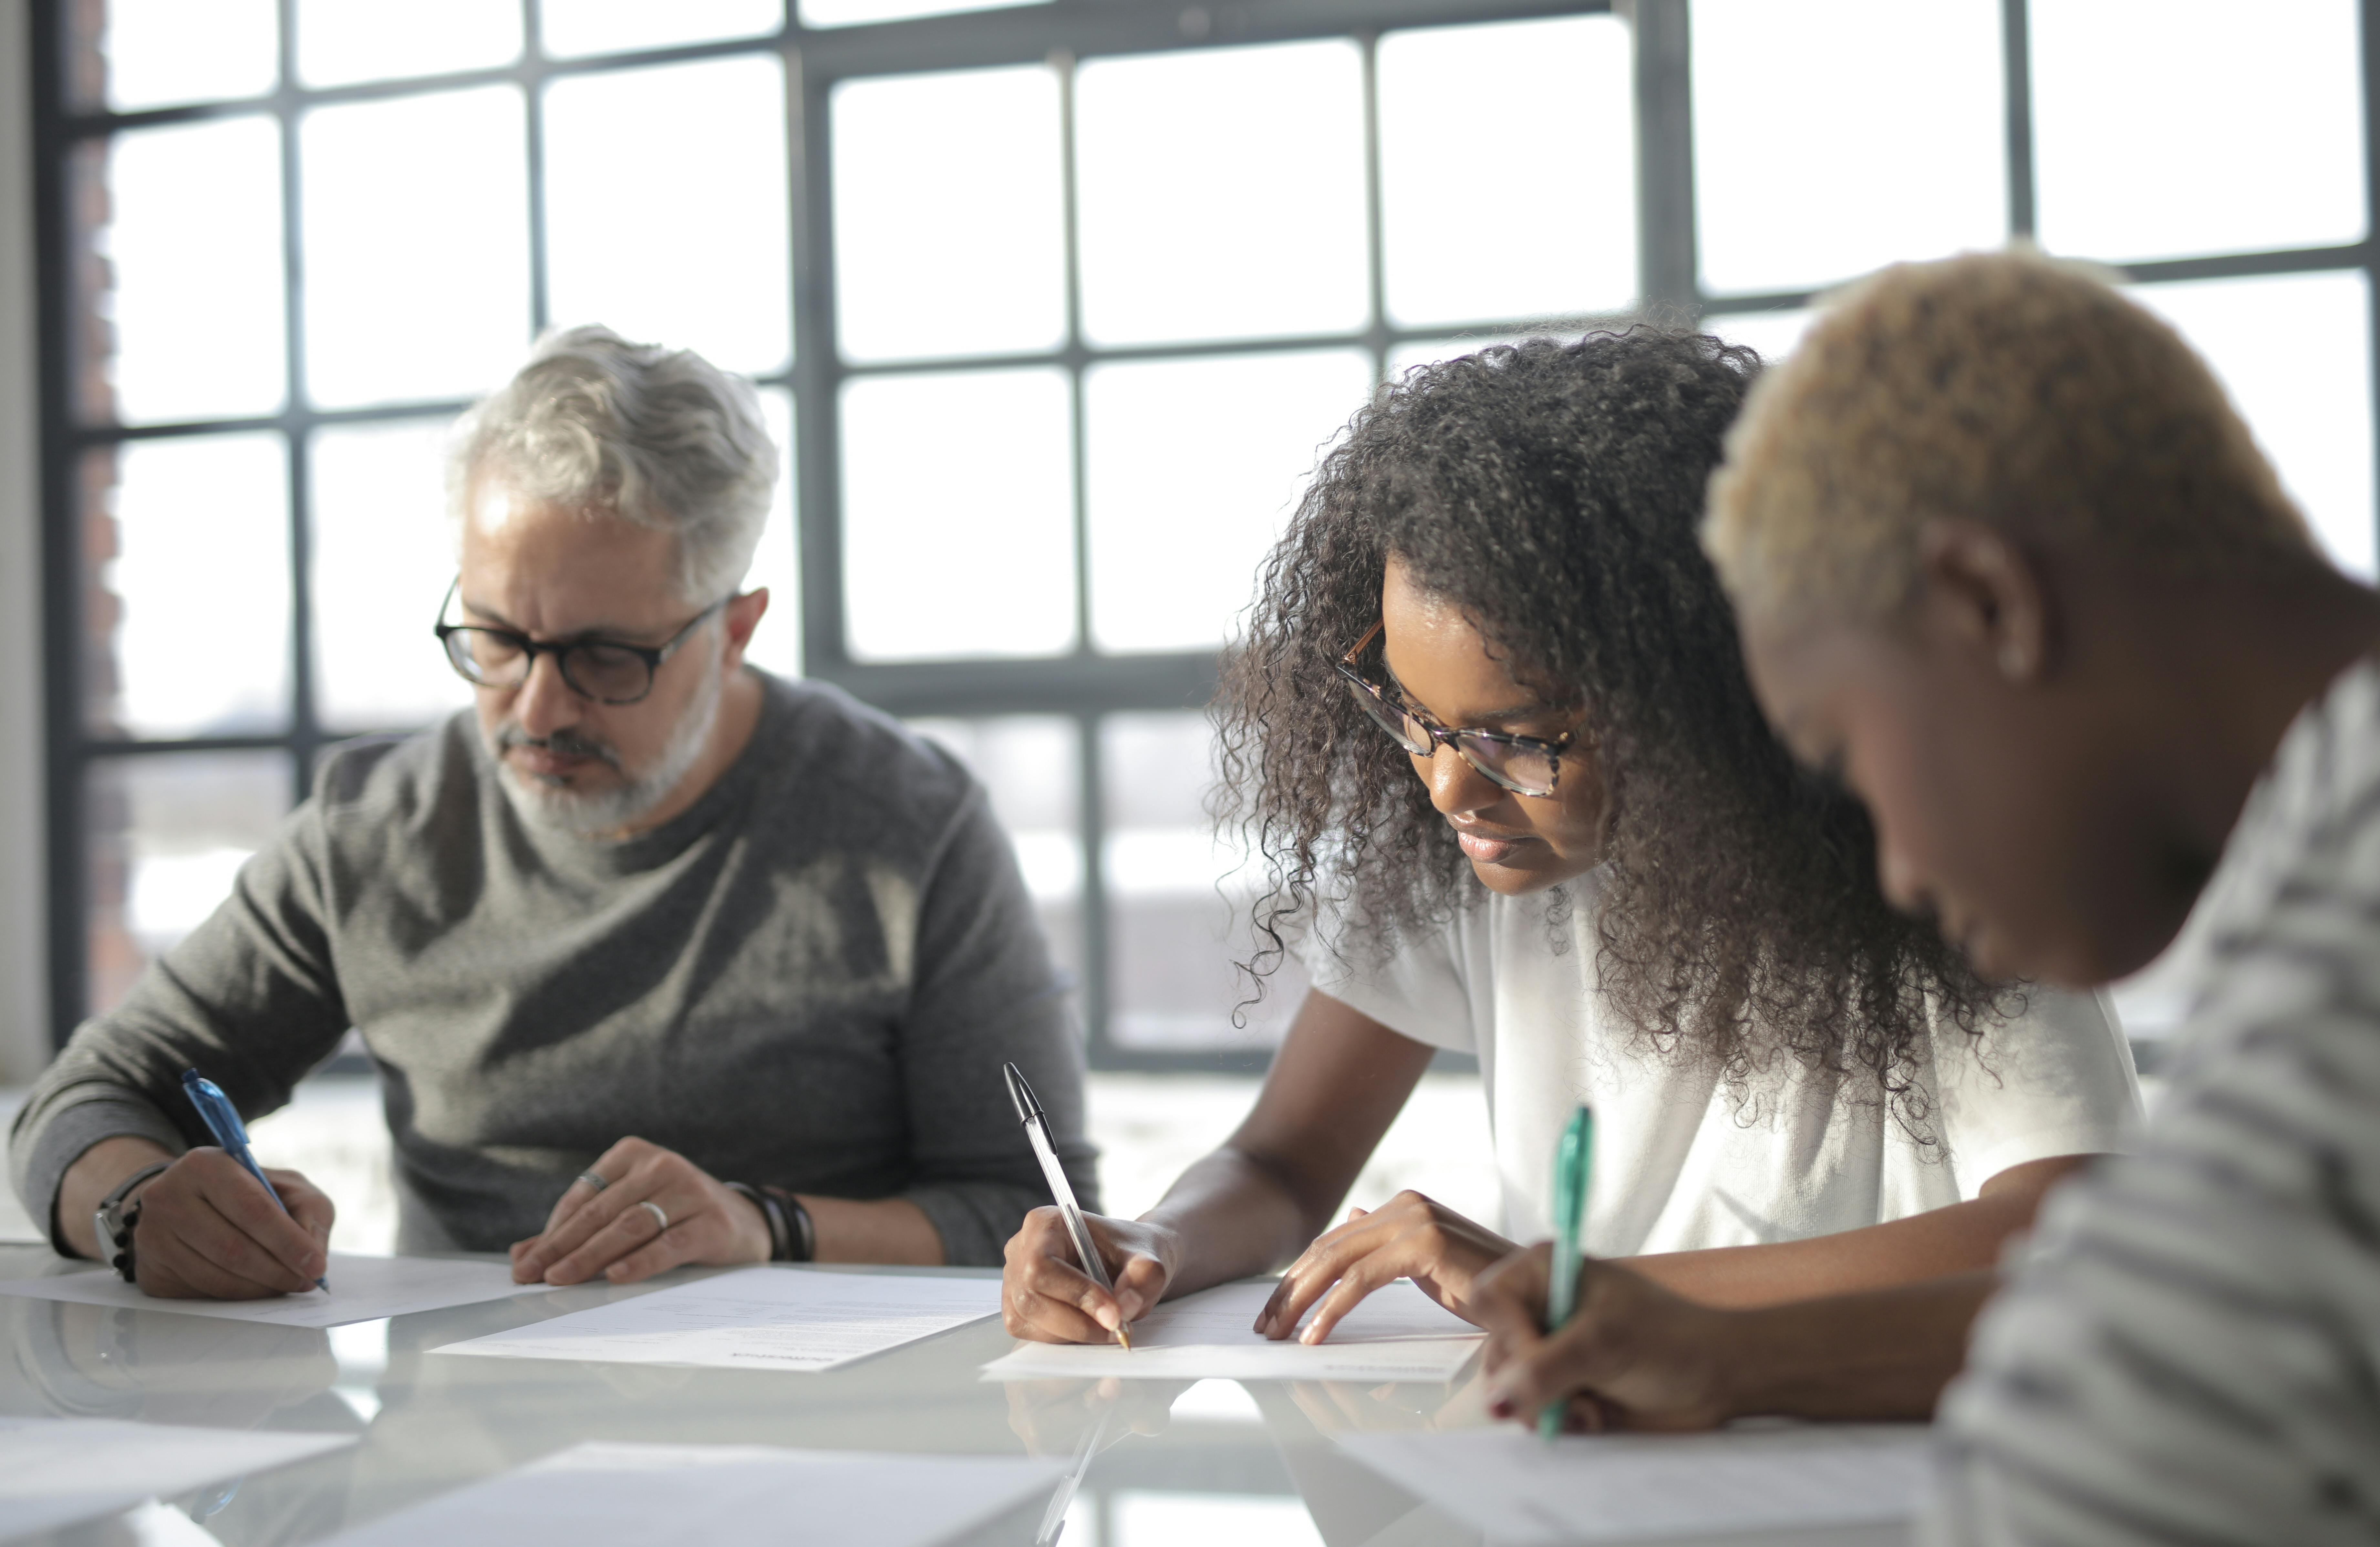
661	960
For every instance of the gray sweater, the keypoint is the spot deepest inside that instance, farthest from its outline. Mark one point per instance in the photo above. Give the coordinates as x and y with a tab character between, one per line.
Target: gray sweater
809	978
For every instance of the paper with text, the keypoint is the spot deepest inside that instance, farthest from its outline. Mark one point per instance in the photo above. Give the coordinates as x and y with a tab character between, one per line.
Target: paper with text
757	1318
1397	1334
1522	1491
57	1471
362	1290
602	1494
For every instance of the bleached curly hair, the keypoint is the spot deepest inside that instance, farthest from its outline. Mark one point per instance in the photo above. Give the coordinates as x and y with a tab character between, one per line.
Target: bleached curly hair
2008	388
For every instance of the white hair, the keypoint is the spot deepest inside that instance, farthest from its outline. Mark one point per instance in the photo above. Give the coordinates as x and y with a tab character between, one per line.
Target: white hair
659	437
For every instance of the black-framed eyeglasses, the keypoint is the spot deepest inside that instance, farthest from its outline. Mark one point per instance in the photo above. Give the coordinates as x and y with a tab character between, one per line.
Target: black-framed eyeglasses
1524	765
609	671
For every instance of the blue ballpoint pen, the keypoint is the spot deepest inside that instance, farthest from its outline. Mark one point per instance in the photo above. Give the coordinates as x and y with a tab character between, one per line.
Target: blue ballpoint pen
1574	1162
222	1119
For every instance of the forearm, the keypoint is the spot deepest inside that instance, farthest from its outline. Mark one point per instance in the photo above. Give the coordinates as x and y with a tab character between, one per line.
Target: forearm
1230	1217
1883	1354
92	1177
873	1230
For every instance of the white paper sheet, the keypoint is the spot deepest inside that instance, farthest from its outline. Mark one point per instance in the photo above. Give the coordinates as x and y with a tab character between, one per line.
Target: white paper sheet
757	1318
57	1471
1398	1334
362	1290
1522	1491
600	1495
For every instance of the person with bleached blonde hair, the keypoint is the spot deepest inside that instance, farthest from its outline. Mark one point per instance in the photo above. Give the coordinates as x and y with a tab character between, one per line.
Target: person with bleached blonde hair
2007	562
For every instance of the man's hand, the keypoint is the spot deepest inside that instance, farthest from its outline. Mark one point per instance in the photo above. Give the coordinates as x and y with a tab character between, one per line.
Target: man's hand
611	1232
1045	1298
1409	1237
1635	1355
208	1231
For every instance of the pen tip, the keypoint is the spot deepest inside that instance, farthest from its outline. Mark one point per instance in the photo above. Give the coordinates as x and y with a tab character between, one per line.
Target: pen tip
1123	1335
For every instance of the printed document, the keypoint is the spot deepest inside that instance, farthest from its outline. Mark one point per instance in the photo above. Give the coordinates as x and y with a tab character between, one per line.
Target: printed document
756	1318
1522	1491
362	1290
57	1471
602	1494
1397	1334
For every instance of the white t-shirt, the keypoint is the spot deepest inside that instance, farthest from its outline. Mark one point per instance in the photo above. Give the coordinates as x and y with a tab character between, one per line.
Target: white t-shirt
1679	1163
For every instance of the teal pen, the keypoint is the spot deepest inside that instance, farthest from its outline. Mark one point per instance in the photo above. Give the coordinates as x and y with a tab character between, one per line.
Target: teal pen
1573	1164
222	1119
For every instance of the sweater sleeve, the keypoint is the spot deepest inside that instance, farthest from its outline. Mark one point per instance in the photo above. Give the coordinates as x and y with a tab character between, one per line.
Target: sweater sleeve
249	998
984	992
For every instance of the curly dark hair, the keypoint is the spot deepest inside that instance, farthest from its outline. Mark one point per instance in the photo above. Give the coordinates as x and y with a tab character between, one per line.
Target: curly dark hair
1552	491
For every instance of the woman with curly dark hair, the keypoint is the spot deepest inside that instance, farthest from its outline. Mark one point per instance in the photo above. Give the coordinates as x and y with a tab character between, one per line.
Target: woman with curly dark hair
1491	731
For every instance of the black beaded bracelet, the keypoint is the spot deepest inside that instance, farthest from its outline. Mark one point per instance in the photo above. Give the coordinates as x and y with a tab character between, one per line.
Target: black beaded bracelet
803	1234
772	1214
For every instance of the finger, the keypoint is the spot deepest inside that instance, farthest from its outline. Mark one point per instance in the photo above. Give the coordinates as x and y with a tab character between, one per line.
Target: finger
671	1248
1360	1279
1355	1214
249	1208
308	1204
1313	1273
1042	1317
631	1228
1139	1284
614	1165
1510	1298
596	1215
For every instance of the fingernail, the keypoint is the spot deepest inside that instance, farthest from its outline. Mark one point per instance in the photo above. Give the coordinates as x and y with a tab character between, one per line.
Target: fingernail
1107	1317
1500	1407
1264	1320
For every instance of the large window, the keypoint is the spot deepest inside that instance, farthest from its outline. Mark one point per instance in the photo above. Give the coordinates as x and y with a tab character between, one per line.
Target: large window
1052	306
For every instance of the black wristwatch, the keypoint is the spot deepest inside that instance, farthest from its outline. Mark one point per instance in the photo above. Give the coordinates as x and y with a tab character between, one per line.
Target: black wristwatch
115	1220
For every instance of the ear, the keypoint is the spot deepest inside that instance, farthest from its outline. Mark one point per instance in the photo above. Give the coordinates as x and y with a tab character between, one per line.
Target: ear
741	616
1984	593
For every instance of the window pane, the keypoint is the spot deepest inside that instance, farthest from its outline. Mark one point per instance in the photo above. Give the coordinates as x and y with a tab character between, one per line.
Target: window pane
958	515
665	207
948	218
200	579
850	13
2294	351
1773	333
1193	466
573	28
383	556
344	41
163	52
777	563
1029	765
1222	193
164	835
2225	128
1830	139
1173	937
417	246
1508	170
194	243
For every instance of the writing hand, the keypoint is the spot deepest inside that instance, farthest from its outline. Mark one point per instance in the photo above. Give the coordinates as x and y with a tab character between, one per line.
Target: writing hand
1046	1298
208	1231
1635	1356
610	1231
1409	1237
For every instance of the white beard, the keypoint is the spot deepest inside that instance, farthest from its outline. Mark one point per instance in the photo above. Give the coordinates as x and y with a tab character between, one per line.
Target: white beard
594	815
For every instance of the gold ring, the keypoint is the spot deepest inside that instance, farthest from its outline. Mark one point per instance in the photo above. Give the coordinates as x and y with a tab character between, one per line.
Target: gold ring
659	1218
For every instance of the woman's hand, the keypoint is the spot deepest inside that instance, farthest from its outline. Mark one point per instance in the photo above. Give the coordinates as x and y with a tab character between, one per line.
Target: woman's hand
1635	1356
1045	1297
1409	1237
692	1218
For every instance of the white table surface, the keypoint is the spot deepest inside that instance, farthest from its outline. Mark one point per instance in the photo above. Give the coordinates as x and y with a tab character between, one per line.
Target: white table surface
1256	1458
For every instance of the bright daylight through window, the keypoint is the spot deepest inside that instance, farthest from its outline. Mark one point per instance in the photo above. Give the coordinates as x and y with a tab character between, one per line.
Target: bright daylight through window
1052	308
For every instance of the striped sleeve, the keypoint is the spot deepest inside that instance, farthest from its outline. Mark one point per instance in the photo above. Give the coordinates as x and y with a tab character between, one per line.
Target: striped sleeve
2189	1349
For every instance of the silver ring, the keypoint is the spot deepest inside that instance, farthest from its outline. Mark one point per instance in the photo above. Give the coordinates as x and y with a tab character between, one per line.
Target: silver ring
659	1218
593	1180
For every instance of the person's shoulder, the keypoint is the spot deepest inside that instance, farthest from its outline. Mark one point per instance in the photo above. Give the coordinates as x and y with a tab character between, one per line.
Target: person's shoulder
842	759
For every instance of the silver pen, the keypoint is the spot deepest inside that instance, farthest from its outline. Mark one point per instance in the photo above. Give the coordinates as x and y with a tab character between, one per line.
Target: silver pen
1037	1128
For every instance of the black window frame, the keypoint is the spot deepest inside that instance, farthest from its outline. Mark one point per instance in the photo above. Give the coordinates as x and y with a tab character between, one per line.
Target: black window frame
1083	686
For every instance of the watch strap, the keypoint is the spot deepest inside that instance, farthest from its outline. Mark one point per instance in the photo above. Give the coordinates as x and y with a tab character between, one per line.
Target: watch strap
113	1222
